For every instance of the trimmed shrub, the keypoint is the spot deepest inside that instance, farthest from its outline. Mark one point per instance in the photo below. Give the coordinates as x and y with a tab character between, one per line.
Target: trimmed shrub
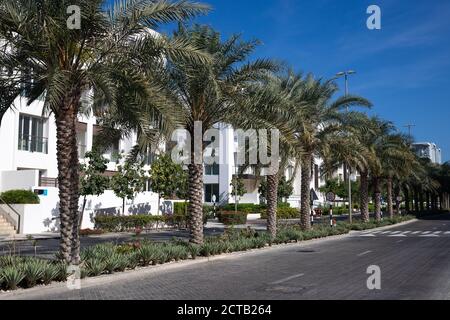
20	197
90	232
250	208
285	213
127	223
232	218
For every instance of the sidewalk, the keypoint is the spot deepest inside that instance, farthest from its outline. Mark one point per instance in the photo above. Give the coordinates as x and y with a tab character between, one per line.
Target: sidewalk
24	237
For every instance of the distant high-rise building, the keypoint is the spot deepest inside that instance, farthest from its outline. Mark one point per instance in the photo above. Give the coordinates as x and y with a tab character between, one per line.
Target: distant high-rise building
428	150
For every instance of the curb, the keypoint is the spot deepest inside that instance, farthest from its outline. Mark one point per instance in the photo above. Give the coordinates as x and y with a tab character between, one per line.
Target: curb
385	227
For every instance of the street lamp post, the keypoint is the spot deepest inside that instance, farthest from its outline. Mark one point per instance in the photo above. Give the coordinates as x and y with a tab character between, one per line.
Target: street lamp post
346	75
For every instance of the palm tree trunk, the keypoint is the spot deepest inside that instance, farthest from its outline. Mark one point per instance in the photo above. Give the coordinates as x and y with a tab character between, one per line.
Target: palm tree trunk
421	203
416	200
377	198
75	198
196	203
272	203
305	209
364	196
65	125
397	202
407	200
428	201
390	197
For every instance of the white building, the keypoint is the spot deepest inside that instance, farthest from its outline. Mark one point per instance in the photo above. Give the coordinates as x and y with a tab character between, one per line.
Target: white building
28	161
428	150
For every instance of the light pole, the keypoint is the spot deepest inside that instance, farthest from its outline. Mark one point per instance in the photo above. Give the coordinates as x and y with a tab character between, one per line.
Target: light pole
409	127
346	74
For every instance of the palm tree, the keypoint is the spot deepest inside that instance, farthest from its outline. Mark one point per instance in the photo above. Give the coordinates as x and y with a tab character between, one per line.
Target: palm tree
345	147
375	141
267	105
397	162
58	63
320	118
209	94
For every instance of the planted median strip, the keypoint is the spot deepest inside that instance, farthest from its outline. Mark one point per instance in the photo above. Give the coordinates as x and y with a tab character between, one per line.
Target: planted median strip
26	272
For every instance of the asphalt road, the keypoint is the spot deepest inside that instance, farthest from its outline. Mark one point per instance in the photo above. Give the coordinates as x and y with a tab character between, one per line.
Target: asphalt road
414	261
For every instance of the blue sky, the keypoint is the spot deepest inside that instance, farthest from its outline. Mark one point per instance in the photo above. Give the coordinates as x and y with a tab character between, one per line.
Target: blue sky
404	68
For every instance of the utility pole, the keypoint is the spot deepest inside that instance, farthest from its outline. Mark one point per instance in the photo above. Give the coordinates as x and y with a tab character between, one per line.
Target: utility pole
346	75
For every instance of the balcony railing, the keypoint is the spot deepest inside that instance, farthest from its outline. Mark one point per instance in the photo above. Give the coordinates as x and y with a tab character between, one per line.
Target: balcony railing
33	144
48	182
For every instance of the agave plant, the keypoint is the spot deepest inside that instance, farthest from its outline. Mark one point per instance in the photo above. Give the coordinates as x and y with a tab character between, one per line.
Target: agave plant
194	250
50	273
147	254
10	260
95	267
62	271
34	270
11	277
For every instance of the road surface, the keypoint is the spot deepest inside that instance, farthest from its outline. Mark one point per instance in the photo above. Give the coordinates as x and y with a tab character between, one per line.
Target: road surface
414	260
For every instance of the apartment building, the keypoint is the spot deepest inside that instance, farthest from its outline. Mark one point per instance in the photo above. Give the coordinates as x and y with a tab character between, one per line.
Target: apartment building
428	150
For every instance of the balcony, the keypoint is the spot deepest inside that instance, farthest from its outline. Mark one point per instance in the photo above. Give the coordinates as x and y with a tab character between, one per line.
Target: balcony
33	144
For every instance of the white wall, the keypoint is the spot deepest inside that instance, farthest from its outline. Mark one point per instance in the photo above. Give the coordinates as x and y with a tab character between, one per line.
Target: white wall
11	180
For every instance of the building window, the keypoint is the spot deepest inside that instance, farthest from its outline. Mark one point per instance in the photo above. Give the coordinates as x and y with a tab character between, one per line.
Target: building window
210	191
212	170
147	186
31	134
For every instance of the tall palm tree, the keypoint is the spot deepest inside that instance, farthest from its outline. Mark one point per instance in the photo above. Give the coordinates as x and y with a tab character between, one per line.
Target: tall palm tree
397	162
210	93
59	63
374	140
267	105
321	117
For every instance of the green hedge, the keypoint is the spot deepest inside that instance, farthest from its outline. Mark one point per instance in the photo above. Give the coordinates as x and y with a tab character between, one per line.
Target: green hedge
247	208
251	208
284	213
127	223
232	218
20	197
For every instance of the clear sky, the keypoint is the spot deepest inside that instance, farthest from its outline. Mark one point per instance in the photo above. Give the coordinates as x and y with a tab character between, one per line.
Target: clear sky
404	68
